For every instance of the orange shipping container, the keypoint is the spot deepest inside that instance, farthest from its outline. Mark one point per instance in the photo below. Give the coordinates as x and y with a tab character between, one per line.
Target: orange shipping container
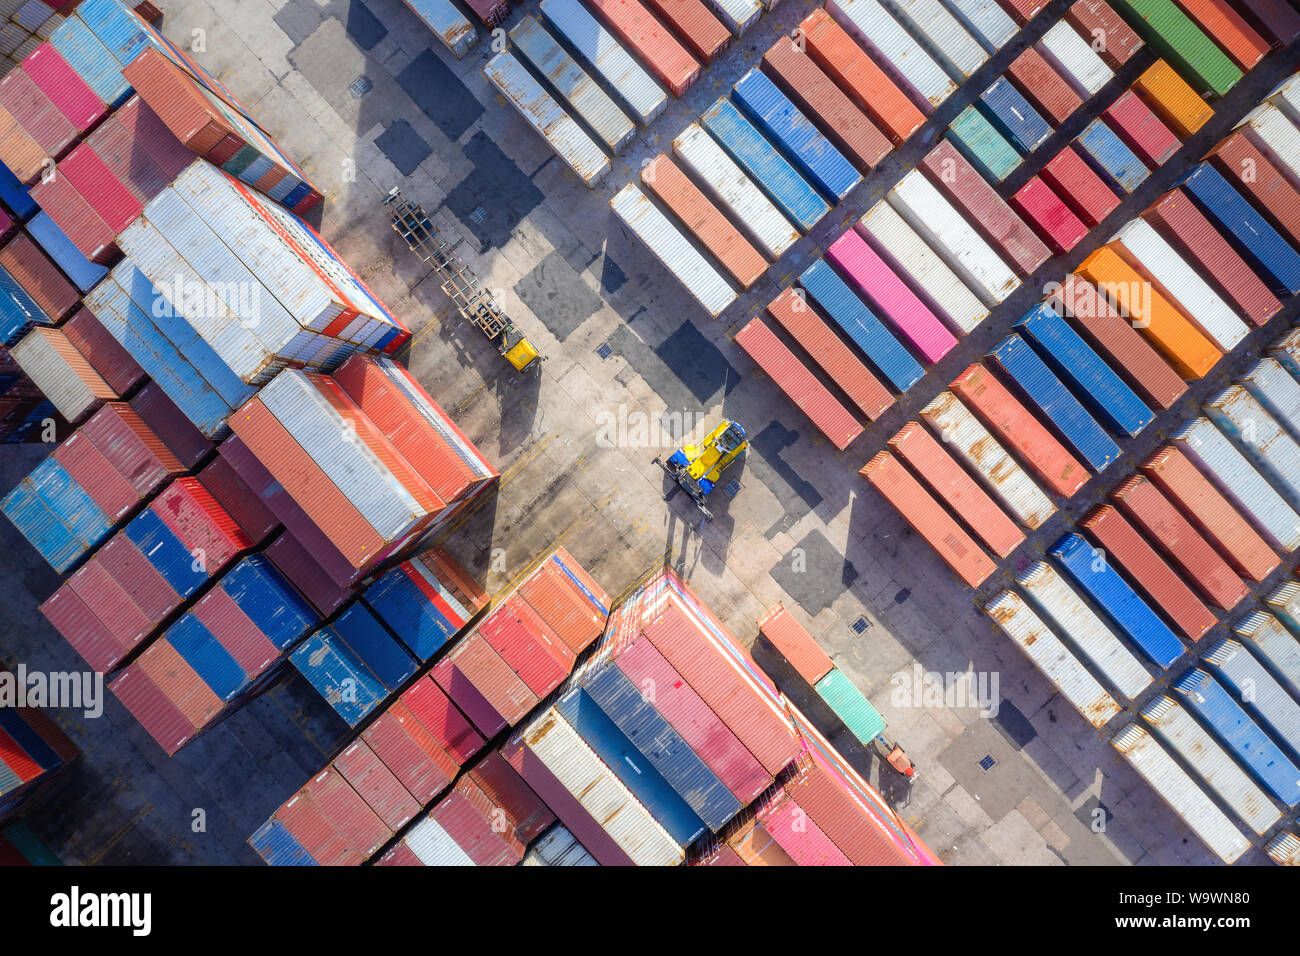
699	29
1190	353
1226	27
928	519
653	45
22	154
1170	98
796	645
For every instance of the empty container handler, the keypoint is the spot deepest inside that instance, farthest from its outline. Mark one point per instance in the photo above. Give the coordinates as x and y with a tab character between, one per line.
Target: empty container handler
894	49
701	31
1141	130
1119	164
1085	631
761	161
1268	446
1095	381
1275	644
1263	697
582	94
956	49
1178	39
1010	113
850	706
1141	246
1040	83
1229	29
1135	619
578	151
935	219
981	143
1277	390
1276	136
1185	227
783	124
672	249
729	186
1242	736
795	644
1075	59
953	485
837	360
653	44
986	21
703	220
801	79
1148	508
1211	763
1098	23
1181	793
1167	93
599	48
738	15
1163	587
909	255
1075	182
1233	475
873	279
800	385
1039	205
1190	353
1008	482
851	314
1052	658
986	211
928	519
867	85
447	23
1252	174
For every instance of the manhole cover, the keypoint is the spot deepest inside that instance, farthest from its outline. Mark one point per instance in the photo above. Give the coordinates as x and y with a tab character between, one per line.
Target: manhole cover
732	488
902	595
860	625
987	763
360	87
604	351
478	215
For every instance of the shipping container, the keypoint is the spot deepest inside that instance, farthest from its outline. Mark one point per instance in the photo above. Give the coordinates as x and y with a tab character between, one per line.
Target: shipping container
447	23
1084	630
894	50
637	28
701	31
956	50
1229	30
1275	134
1079	186
1277	390
558	847
1141	130
1284	849
1178	39
986	21
1045	88
1010	113
1008	482
1105	30
850	706
1056	662
1039	205
1118	164
1286	349
61	373
1167	93
31	110
1276	19
1261	694
1181	793
981	143
1253	175
56	244
1075	59
1268	446
1022	10
738	15
796	645
1275	646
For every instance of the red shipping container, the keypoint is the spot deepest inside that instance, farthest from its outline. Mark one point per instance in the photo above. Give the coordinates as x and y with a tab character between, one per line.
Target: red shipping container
22	154
64	86
1114	337
468	698
1150	510
805	842
1275	19
465	814
1255	177
533	651
1176	217
491	12
1211	513
702	32
104	353
566	610
32	269
828	350
169	423
131	447
983	208
1082	189
400	855
1016	427
376	785
36	113
870	88
173	675
202	525
238	500
308	825
104	598
527	815
141	581
1048	213
654	46
297	563
132	166
795	644
151	135
438	715
160	718
81	628
843	818
954	486
799	384
1022	11
360	828
1047	91
408	750
928	519
75	216
492	677
16	759
825	105
1121	541
1228	29
1105	30
90	469
111	200
226	620
1141	130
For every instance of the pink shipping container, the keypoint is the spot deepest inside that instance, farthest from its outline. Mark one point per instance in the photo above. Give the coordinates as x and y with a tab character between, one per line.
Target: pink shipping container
439	716
376	785
141	581
36	113
891	295
130	164
408	750
78	220
527	816
400	855
1141	130
111	201
109	602
153	137
525	642
65	88
245	642
102	351
131	447
202	525
805	842
90	469
79	626
1083	190
160	718
468	816
653	44
1040	206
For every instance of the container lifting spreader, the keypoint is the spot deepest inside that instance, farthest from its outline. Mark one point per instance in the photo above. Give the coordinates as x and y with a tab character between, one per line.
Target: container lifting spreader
472	300
697	468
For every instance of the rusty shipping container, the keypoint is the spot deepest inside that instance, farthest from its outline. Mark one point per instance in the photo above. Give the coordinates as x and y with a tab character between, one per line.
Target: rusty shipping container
701	31
1141	130
1112	38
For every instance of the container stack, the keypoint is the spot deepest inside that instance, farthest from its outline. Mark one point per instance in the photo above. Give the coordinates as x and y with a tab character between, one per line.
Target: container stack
32	751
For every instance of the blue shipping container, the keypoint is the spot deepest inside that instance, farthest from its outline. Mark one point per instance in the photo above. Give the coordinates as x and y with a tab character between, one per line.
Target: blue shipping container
1265	699
1013	117
1090	570
409	614
339	676
624	704
29	740
42	527
1234	728
64	496
203	652
18	310
1075	361
372	643
277	846
115	27
768	168
824	285
1061	409
165	552
92	61
1111	158
773	113
269	601
85	275
15	196
1269	254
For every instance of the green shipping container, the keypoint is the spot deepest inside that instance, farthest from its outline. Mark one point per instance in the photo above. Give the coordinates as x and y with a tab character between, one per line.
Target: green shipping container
850	706
981	143
1178	39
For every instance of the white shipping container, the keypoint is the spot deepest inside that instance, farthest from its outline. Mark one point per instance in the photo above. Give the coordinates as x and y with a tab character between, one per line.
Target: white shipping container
1277	390
558	847
1286	97
583	774
953	238
580	91
1007	481
710	164
434	846
602	50
1183	795
673	250
1284	849
957	303
447	23
1245	487
894	50
1276	645
958	52
1073	618
1277	137
1211	762
1287	351
1052	657
987	21
737	15
1180	282
578	151
1267	445
74	395
1078	62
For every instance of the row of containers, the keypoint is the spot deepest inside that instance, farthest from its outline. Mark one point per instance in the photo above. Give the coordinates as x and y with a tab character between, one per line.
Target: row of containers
25	25
664	744
33	749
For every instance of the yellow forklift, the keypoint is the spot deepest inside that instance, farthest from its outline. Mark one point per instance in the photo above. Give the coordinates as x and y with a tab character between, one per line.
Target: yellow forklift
698	468
472	300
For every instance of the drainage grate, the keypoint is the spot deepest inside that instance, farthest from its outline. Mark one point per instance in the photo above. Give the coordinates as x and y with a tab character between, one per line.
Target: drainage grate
360	87
987	763
604	351
478	215
860	625
733	486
